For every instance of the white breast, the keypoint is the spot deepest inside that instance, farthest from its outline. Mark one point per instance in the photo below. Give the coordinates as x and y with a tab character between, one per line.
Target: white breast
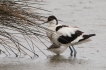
58	50
52	34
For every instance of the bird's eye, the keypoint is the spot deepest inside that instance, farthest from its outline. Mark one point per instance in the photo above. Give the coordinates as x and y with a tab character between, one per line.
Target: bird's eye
50	19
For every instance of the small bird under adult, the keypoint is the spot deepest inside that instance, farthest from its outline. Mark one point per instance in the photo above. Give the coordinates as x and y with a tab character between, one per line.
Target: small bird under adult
63	36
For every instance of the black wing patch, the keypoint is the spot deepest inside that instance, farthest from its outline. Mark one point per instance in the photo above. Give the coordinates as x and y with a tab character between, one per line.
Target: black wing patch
59	27
66	39
87	36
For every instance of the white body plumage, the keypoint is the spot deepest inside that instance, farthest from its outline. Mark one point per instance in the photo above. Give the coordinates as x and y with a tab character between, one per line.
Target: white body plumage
63	36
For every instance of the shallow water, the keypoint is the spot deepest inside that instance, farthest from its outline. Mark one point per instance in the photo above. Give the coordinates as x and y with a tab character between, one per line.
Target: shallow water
90	17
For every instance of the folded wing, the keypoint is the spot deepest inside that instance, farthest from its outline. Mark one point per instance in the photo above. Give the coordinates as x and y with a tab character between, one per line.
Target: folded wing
68	34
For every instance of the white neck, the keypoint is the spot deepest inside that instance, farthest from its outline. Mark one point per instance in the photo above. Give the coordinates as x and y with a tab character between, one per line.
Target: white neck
52	23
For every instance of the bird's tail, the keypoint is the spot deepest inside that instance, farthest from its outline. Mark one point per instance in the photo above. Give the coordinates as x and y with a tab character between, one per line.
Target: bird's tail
87	36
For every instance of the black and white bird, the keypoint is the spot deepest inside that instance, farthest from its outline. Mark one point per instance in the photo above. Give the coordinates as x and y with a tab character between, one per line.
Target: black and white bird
63	36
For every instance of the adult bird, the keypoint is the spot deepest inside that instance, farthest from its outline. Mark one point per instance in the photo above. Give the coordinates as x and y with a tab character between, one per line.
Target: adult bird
63	36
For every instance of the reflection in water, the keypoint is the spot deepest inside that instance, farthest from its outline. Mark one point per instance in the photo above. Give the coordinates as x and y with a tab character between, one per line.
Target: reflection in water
57	59
62	62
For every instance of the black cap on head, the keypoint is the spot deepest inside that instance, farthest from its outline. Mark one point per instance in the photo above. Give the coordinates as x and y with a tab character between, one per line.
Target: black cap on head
50	18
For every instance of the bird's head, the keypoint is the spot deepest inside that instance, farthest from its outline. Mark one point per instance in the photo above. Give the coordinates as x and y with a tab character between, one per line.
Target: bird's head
52	19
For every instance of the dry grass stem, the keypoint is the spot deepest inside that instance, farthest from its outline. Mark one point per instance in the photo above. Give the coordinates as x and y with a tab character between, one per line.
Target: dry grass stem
18	24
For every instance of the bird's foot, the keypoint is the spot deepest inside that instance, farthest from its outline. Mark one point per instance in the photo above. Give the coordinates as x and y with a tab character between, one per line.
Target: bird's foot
71	54
75	54
71	51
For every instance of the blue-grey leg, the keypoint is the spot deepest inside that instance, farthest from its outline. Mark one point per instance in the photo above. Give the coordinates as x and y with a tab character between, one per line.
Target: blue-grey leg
71	51
75	52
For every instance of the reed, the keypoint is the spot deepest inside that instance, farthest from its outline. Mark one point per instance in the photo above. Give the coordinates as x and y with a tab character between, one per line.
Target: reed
18	24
